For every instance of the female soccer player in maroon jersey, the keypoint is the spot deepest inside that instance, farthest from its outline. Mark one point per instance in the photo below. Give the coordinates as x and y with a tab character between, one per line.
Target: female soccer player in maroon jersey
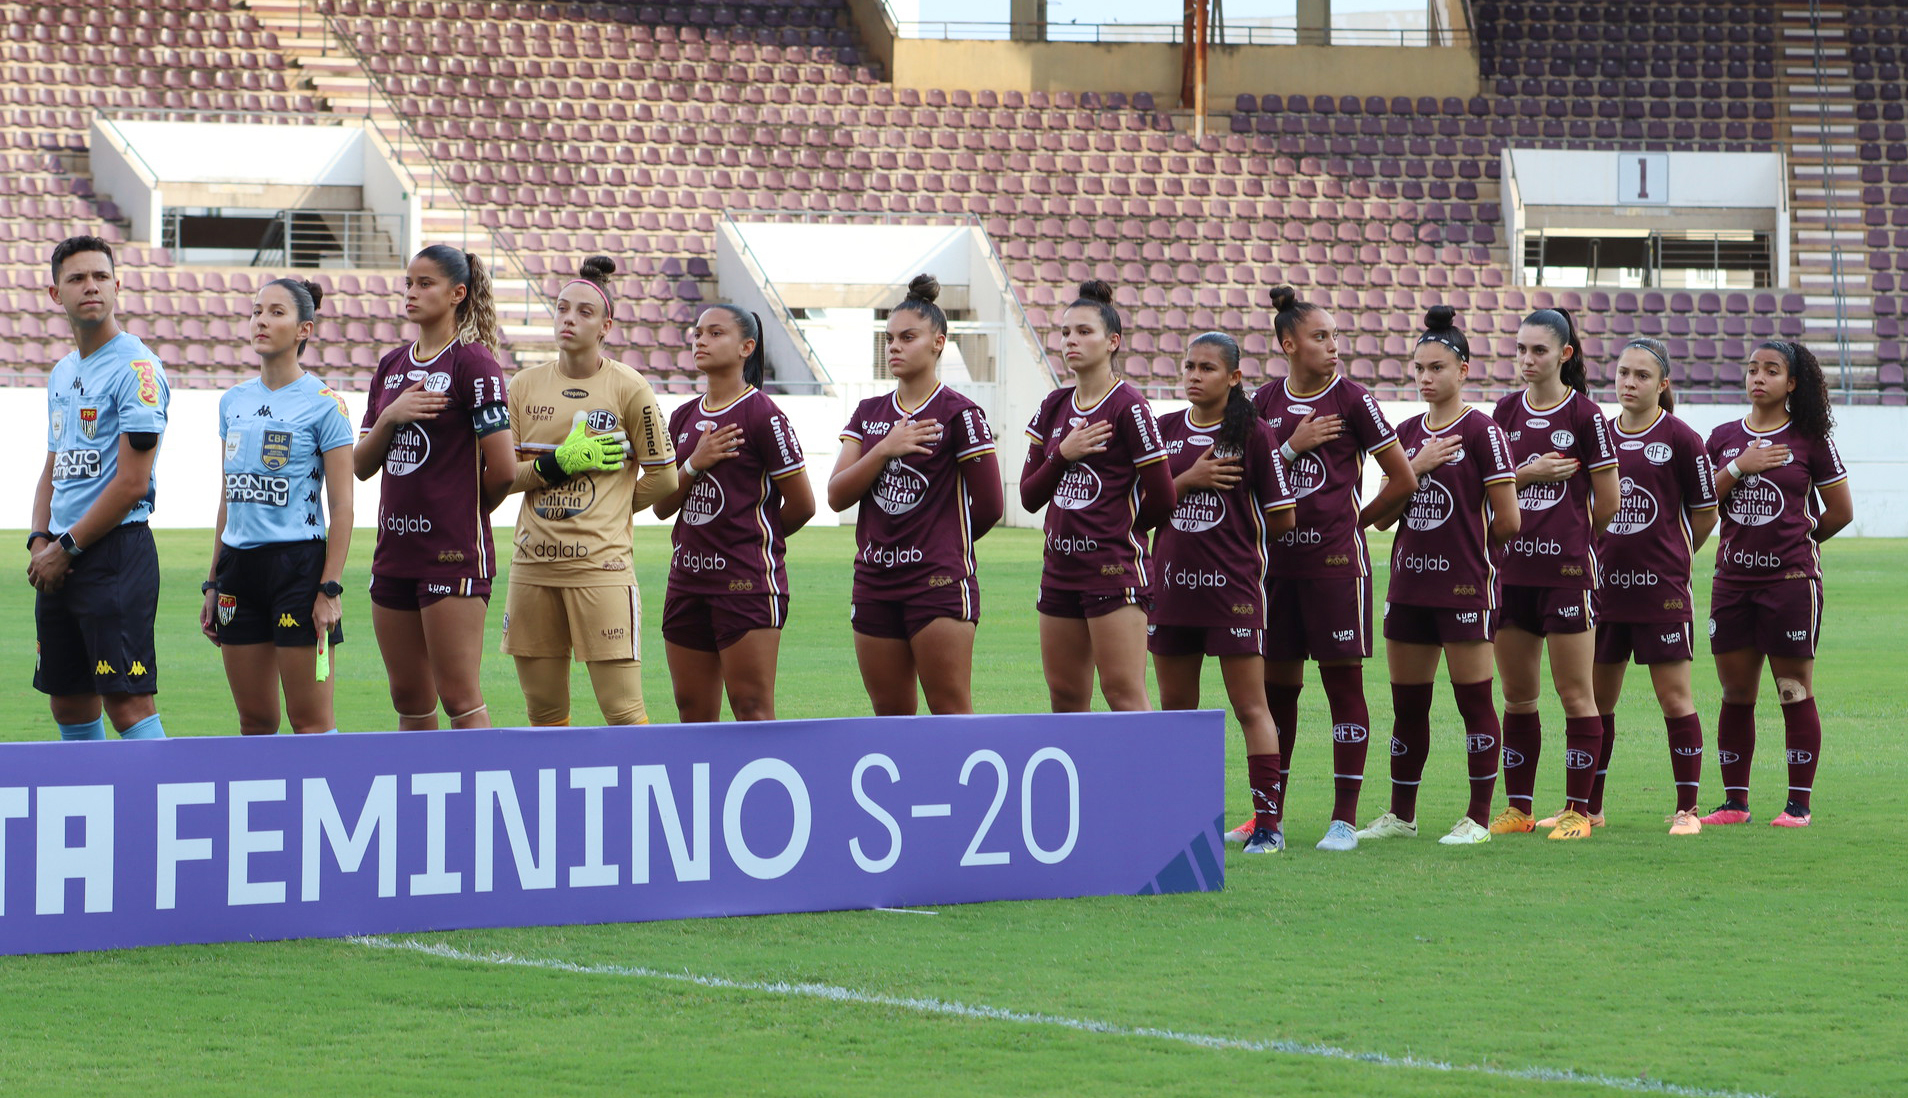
1232	496
1443	592
1567	490
928	483
1784	492
1318	603
743	490
438	427
1096	457
1665	511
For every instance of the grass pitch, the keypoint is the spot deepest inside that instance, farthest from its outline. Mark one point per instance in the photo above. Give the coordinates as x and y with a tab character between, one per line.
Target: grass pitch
1743	961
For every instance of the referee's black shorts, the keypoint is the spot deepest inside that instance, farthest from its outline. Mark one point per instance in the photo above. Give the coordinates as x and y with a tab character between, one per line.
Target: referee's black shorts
95	632
266	593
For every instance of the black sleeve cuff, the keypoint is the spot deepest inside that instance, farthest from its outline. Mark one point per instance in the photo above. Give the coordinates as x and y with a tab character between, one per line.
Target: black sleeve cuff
550	469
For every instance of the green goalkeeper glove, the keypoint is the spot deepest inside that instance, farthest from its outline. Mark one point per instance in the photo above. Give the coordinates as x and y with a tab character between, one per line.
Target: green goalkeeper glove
583	452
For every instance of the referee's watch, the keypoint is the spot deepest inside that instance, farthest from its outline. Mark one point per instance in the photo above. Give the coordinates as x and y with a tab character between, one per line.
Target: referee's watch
331	589
37	535
73	548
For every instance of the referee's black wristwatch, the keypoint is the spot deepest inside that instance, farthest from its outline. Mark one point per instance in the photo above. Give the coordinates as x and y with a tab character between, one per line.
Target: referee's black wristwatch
331	589
36	536
73	548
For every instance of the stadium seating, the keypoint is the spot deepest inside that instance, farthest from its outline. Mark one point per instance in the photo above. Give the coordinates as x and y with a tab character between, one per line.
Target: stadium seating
627	129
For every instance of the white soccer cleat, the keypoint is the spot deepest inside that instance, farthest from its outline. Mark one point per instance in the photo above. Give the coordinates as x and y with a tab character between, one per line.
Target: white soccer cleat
1466	833
1389	826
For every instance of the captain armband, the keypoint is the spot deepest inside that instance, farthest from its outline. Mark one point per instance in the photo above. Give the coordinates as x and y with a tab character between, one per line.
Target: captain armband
489	419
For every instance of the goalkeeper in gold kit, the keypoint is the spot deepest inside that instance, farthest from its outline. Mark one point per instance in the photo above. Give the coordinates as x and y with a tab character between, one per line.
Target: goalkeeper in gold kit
592	450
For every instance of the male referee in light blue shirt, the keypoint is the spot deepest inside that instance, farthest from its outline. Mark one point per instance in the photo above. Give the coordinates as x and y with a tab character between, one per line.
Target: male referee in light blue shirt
93	560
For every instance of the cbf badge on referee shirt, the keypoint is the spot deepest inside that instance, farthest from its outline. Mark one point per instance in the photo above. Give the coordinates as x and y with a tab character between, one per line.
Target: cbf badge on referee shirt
274	449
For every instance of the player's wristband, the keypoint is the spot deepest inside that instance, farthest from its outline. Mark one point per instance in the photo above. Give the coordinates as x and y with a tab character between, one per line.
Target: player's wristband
73	548
550	469
1285	451
1734	469
36	536
689	470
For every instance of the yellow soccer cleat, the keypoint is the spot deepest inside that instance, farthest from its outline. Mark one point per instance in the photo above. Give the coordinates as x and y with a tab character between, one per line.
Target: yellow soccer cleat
1572	825
1512	821
1595	818
1685	822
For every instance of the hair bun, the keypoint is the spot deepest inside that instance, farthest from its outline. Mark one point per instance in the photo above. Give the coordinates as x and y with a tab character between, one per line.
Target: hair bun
1095	290
597	268
924	287
1284	297
1440	318
316	291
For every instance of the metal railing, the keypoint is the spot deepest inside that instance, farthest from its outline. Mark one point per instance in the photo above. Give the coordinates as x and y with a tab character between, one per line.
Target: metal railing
307	238
998	269
533	295
786	316
1838	275
1223	34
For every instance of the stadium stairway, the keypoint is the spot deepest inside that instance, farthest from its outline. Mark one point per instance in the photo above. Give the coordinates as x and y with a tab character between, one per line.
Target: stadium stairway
1825	195
338	77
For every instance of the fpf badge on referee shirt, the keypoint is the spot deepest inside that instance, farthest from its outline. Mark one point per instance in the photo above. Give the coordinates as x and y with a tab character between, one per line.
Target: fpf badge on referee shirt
228	608
89	421
274	450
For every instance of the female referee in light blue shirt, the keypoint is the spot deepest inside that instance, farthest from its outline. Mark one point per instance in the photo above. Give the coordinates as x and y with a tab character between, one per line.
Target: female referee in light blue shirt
273	592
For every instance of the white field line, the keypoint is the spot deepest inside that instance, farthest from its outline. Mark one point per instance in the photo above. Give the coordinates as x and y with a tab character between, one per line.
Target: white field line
832	993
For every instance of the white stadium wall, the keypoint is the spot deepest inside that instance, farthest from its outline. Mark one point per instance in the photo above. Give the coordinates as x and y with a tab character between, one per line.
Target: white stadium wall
1869	438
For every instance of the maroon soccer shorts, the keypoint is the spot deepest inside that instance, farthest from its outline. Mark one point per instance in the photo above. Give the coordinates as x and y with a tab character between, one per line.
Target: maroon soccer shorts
1057	602
898	619
1783	618
1547	610
710	623
1319	619
394	593
1408	623
1648	642
1204	640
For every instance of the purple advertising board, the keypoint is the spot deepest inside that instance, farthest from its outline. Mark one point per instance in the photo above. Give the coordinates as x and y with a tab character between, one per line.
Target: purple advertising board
115	844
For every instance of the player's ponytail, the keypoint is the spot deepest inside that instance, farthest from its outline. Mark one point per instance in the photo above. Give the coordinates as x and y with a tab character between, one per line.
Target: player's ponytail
1575	373
1809	402
305	297
755	367
477	313
1236	428
1666	396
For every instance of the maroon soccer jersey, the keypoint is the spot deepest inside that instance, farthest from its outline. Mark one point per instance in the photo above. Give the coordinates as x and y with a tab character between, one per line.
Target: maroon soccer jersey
1644	555
1211	555
1441	555
1769	516
1553	546
728	536
913	533
1327	541
431	519
1092	542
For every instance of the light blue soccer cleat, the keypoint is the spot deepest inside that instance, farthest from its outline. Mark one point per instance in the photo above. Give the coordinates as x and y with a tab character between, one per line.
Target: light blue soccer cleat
1339	836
